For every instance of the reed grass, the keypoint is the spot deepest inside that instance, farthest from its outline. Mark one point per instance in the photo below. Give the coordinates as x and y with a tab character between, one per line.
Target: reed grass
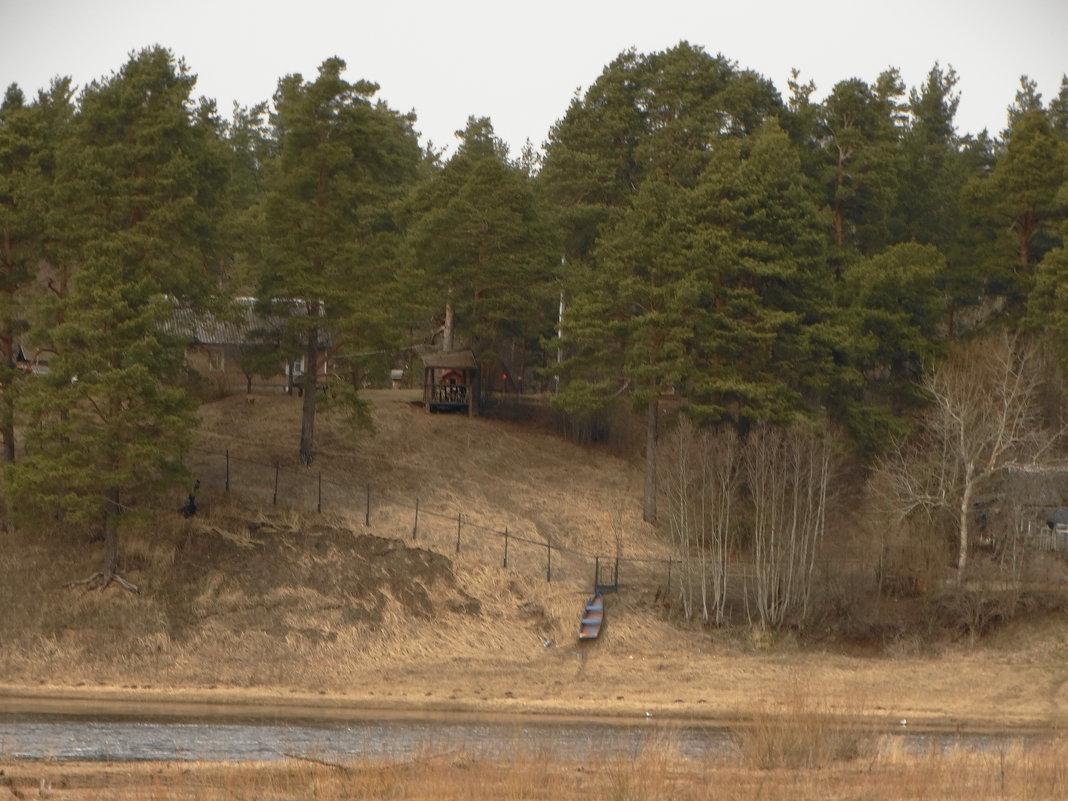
1012	769
800	730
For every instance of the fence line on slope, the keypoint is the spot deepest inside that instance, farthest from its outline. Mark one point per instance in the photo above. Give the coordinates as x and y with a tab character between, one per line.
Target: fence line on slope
459	534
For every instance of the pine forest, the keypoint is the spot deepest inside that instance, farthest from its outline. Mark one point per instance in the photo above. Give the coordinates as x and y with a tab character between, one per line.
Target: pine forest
807	311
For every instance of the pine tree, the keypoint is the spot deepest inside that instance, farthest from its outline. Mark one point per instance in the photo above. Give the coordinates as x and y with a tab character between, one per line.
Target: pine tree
17	232
969	279
718	292
656	114
766	352
859	126
654	119
339	161
1058	111
483	244
1018	201
894	312
108	424
928	204
1047	304
655	293
29	137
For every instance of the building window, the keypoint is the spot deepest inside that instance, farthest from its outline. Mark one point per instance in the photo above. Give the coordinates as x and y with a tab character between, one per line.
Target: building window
216	360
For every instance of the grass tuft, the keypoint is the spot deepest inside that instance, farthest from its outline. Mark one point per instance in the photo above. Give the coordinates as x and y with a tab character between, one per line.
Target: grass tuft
800	731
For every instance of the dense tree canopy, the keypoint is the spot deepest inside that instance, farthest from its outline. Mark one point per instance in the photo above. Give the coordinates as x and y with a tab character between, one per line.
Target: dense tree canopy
135	197
339	160
758	260
481	247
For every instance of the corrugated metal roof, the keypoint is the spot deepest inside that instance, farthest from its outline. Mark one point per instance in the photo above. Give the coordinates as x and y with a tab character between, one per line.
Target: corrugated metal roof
238	325
461	359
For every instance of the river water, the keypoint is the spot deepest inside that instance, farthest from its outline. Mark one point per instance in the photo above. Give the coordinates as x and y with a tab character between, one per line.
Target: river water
57	736
122	738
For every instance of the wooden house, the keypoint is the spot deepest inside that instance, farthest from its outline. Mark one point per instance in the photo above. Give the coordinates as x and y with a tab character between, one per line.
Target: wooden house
450	382
1027	498
242	348
1055	536
29	359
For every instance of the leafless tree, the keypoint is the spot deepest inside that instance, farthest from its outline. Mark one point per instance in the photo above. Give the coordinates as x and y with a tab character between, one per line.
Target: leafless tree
985	416
700	472
775	483
787	473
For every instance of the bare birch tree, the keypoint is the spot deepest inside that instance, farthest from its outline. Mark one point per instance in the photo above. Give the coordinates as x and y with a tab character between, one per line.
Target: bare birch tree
787	474
700	482
986	415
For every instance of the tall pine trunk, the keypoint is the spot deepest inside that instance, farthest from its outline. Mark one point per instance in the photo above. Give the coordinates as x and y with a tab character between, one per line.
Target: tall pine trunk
7	401
7	424
447	329
307	420
649	500
110	568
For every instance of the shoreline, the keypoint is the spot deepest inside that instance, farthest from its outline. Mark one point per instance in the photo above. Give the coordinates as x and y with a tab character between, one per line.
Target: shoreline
240	705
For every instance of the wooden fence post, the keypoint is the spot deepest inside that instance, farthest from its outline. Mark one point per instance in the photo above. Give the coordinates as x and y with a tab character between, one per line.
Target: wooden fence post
459	522
506	546
415	528
274	500
367	514
596	572
549	563
319	505
228	470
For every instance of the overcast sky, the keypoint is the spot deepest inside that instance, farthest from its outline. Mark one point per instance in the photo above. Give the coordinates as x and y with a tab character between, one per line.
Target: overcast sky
521	63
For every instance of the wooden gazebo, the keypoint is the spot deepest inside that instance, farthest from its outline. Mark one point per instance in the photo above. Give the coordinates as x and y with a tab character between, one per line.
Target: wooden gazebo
450	382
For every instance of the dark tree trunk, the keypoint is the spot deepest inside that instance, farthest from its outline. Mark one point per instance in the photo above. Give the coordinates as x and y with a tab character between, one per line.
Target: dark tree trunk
307	420
109	572
111	536
649	500
447	329
7	427
7	402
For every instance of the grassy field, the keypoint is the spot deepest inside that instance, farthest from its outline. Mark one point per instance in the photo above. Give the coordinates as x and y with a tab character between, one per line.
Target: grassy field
320	613
884	772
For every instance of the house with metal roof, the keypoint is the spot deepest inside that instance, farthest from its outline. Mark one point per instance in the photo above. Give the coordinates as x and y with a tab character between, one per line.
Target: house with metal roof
240	346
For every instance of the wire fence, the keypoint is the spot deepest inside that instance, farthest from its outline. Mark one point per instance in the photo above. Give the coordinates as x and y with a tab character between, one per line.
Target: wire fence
450	533
458	534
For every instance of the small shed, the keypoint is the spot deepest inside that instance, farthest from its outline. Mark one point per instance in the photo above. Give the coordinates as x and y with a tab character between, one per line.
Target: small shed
450	382
1057	522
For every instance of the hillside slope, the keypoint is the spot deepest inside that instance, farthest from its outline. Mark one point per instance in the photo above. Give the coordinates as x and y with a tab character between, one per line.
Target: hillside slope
497	474
248	600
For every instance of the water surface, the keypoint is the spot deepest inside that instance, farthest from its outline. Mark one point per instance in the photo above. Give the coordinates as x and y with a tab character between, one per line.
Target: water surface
152	736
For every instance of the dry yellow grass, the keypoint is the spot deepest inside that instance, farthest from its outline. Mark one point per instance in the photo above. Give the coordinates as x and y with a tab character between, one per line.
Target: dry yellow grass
1013	770
256	605
500	475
